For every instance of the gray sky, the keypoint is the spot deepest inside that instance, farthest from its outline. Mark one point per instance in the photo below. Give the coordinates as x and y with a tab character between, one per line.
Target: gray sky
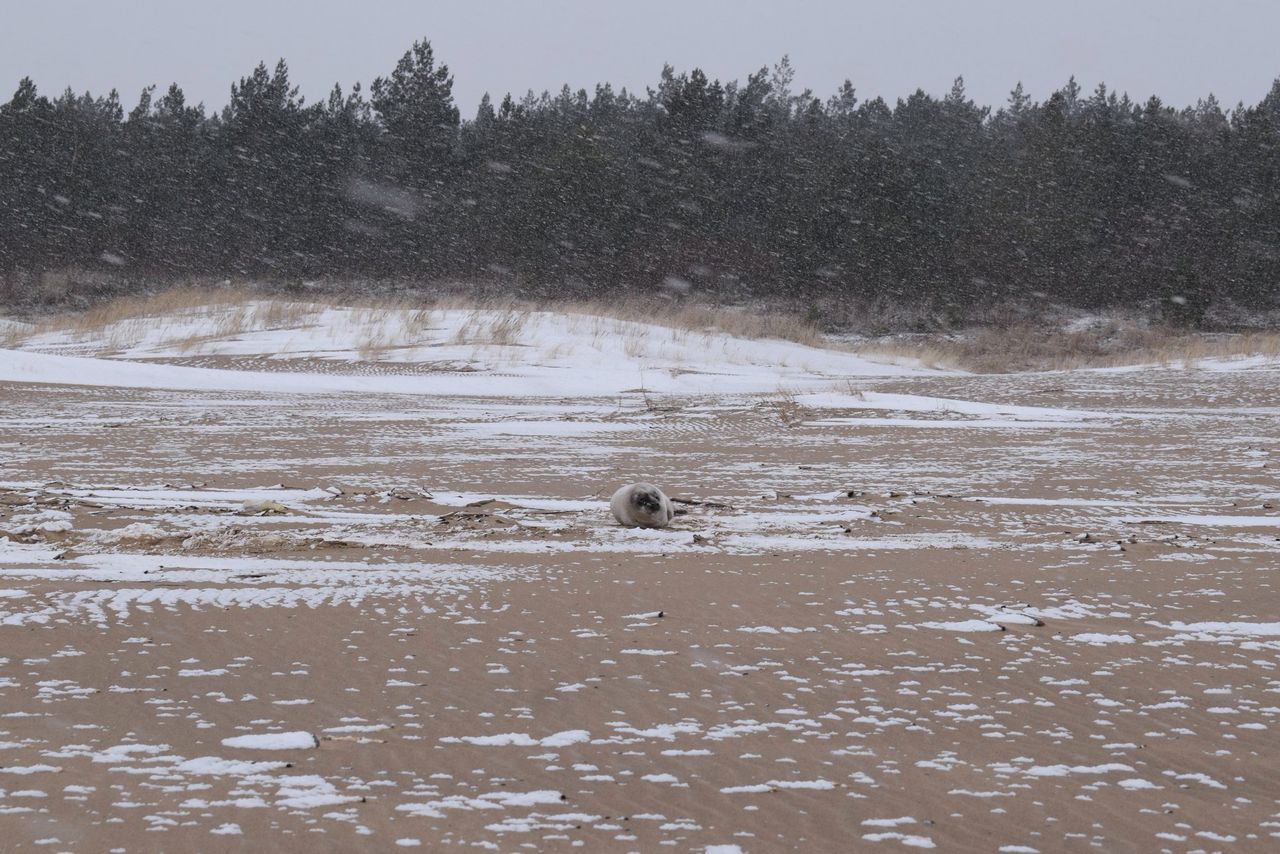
1179	49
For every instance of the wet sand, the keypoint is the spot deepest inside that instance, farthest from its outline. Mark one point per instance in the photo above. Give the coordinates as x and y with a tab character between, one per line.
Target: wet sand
869	630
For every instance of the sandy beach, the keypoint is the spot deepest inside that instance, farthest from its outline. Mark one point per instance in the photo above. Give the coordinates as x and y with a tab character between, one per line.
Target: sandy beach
912	609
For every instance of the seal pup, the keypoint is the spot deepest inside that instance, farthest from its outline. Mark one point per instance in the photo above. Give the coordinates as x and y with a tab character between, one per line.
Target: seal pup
641	505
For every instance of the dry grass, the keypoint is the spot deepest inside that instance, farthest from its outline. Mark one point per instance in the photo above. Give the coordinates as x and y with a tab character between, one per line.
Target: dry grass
282	314
120	321
698	317
634	344
125	321
163	304
13	332
786	408
1035	348
504	326
497	321
374	343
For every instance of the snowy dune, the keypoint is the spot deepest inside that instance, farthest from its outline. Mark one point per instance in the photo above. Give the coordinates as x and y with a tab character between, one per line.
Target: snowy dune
472	353
451	352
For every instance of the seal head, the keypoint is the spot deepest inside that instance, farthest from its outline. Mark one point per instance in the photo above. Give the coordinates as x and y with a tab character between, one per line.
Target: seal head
642	505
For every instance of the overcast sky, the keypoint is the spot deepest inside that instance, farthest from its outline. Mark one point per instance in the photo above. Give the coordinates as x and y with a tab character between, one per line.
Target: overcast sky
1179	49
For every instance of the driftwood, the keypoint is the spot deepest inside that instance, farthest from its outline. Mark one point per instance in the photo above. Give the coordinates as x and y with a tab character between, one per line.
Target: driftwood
692	502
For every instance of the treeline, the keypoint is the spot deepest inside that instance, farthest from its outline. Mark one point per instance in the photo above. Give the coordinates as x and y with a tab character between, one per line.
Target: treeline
736	190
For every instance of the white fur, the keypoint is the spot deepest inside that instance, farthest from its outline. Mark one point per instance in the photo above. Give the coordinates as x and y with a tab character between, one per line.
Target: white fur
633	515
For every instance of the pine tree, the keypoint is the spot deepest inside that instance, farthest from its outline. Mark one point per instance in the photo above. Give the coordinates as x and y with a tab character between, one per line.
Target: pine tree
844	103
415	106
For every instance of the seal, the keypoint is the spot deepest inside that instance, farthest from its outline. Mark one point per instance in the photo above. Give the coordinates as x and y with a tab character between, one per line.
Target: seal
641	505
